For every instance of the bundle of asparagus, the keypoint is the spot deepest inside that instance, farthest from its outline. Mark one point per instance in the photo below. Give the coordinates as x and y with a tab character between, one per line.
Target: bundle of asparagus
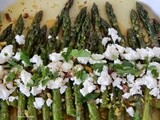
85	71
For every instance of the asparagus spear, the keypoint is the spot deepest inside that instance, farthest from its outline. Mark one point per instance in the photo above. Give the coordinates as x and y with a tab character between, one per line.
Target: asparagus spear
148	24
6	32
105	25
138	103
135	22
96	20
93	111
32	115
113	21
156	26
56	28
4	111
57	102
132	40
77	26
30	39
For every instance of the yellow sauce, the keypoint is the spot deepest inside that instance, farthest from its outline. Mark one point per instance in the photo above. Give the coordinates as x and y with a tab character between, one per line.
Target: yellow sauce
52	8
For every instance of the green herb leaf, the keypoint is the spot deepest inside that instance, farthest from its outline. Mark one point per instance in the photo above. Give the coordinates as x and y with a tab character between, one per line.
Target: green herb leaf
154	71
98	66
81	75
66	55
91	96
82	53
11	76
25	57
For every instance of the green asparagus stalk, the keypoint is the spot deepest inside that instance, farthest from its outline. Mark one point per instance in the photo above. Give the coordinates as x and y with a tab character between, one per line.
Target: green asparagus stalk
57	100
4	110
148	24
156	26
132	40
32	115
93	111
5	32
135	22
96	20
105	25
21	106
77	26
114	23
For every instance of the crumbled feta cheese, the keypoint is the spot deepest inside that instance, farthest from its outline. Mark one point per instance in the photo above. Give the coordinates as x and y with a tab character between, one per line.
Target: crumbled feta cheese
156	52
24	89
4	92
12	98
25	77
130	54
98	101
63	89
54	57
130	111
17	56
49	36
117	83
113	33
39	102
142	53
49	102
57	83
149	81
104	78
111	52
117	61
97	56
88	86
76	81
120	49
105	40
103	88
67	66
37	60
35	90
126	95
155	92
83	60
54	66
6	54
20	39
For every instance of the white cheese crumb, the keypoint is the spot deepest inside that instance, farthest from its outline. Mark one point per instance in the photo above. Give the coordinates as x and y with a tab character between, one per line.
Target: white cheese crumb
130	111
63	89
126	95
12	98
97	56
54	66
113	33
35	90
117	83
37	60
98	101
24	89
20	39
67	66
88	86
130	54
111	52
49	36
49	102
4	92
104	78
25	77
105	40
17	56
83	60
39	102
54	57
6	54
